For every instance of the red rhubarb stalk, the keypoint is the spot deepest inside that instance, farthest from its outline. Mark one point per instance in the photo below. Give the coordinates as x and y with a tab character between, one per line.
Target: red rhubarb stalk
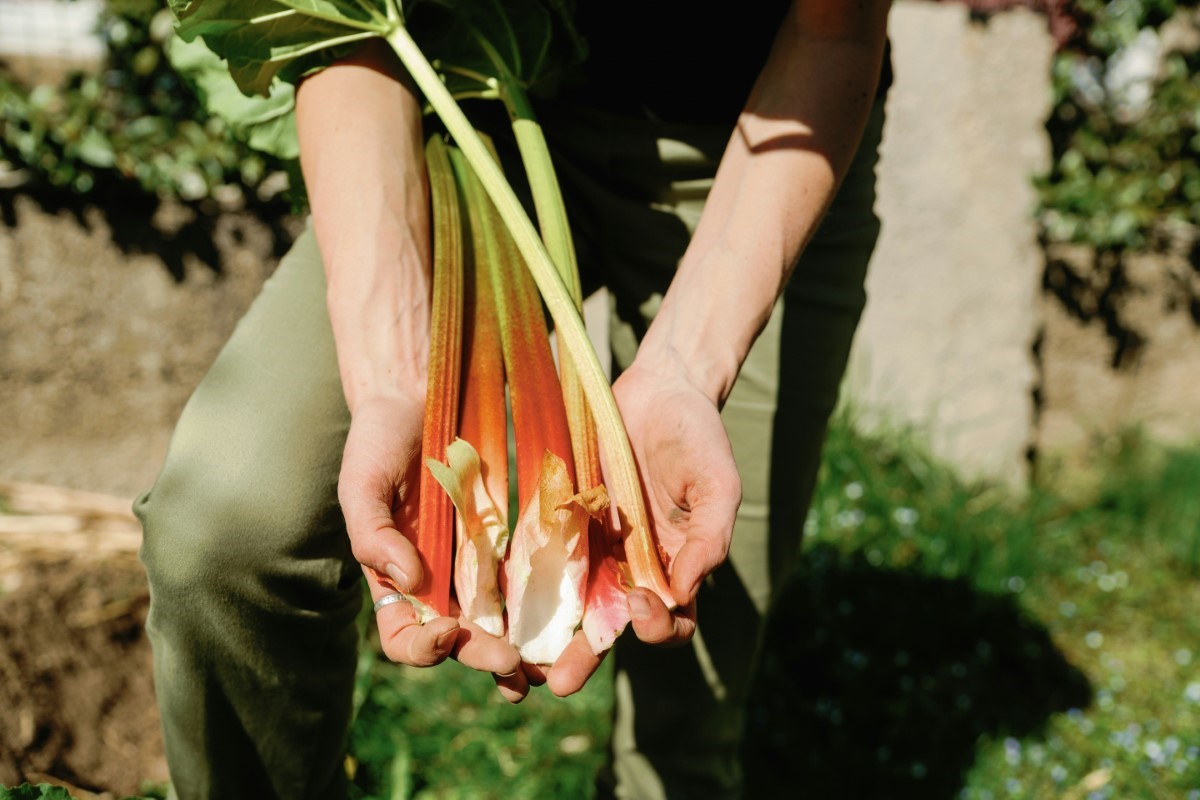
475	475
434	534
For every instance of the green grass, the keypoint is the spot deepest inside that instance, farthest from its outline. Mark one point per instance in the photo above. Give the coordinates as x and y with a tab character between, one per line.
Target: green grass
940	640
446	733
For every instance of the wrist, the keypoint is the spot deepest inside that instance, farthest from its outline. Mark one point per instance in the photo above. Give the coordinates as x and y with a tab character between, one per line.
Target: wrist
674	350
380	320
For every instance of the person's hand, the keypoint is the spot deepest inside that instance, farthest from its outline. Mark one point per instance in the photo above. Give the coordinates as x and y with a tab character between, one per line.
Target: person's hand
693	492
377	488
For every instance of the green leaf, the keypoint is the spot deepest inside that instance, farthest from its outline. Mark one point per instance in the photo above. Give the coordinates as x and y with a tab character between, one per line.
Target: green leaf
266	123
96	150
525	46
265	39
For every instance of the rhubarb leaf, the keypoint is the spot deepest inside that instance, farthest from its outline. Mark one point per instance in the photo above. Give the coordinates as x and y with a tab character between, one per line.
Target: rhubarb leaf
265	39
266	124
474	42
483	45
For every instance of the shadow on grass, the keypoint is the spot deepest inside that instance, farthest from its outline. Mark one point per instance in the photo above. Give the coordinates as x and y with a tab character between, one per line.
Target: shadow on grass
879	683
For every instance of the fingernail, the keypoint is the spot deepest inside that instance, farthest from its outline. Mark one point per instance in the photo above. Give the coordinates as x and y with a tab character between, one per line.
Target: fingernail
638	607
398	577
446	640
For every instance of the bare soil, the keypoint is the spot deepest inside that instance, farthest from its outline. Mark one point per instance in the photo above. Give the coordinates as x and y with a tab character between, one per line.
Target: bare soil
76	698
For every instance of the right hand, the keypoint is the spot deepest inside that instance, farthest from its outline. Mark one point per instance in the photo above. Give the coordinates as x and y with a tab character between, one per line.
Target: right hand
378	490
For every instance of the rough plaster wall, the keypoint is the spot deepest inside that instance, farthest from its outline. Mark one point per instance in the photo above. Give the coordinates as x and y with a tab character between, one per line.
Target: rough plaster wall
100	348
945	345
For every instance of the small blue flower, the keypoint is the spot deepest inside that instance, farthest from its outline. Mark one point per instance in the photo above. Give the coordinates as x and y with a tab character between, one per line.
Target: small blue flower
1012	751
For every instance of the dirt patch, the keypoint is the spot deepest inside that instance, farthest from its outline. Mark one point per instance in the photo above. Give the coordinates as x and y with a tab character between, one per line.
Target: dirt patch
75	682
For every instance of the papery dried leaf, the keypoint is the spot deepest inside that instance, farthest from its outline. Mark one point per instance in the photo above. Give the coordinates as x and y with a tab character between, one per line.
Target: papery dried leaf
547	564
482	537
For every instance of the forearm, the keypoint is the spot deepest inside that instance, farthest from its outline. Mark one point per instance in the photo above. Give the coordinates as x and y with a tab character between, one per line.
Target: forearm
791	146
361	149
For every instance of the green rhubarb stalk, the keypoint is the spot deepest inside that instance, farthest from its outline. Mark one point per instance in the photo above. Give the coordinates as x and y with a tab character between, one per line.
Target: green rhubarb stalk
624	483
434	535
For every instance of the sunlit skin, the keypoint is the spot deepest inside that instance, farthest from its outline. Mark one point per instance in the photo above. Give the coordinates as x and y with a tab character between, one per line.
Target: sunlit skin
362	143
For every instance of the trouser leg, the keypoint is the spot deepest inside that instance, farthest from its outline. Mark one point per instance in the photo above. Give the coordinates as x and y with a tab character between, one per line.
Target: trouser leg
679	713
253	589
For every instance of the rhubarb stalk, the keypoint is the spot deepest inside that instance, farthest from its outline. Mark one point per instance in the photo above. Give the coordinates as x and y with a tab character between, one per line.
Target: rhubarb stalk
476	473
434	535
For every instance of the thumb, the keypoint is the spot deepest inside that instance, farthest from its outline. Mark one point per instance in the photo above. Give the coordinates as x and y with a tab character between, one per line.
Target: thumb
376	540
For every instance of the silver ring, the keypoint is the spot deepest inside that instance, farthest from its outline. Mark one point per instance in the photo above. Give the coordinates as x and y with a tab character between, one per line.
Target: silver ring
387	600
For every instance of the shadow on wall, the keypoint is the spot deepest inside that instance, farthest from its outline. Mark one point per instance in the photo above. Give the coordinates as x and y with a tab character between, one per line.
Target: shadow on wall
881	682
142	223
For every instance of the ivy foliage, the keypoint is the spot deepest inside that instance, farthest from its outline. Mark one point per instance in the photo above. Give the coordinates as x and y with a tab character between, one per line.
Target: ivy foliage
1125	129
134	126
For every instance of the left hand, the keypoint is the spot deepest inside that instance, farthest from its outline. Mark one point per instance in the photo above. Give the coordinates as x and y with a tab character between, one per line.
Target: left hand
377	489
693	492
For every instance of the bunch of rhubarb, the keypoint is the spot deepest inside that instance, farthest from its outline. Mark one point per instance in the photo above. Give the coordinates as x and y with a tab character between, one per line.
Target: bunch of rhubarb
558	569
577	546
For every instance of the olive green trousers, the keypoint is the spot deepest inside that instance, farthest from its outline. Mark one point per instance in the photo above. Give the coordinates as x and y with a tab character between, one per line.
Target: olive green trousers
254	591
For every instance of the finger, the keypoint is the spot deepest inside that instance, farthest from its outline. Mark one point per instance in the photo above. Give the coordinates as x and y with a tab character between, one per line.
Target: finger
534	673
654	624
574	666
713	511
513	688
699	556
407	641
478	649
377	544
